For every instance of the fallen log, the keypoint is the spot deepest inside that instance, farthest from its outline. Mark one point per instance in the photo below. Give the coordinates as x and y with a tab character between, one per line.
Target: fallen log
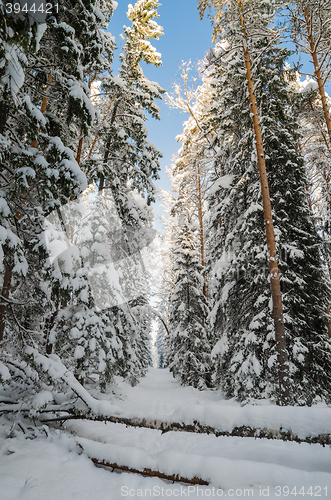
197	428
150	473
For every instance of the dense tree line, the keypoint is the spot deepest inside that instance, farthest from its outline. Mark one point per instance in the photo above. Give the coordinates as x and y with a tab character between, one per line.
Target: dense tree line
259	139
77	174
245	290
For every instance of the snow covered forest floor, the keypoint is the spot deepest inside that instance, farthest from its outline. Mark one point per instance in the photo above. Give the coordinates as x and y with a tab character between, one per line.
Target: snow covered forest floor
53	462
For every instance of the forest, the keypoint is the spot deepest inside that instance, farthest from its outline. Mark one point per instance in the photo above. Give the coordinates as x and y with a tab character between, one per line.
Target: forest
226	313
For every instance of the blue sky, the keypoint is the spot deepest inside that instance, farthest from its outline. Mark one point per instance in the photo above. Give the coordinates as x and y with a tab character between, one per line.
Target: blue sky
185	38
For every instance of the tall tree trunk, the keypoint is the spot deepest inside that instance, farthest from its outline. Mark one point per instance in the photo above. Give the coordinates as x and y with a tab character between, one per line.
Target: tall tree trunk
81	140
107	148
282	358
5	295
317	71
202	244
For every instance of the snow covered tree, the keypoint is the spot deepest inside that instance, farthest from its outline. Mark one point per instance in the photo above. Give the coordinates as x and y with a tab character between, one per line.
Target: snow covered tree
122	160
311	31
313	143
47	107
189	343
160	346
241	316
42	123
195	157
122	154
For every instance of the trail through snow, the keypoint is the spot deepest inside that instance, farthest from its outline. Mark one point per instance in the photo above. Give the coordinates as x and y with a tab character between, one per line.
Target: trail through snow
160	397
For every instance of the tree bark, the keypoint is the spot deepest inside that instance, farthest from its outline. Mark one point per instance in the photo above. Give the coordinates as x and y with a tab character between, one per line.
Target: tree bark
5	295
150	473
195	428
80	147
202	245
277	306
318	72
107	149
43	108
81	140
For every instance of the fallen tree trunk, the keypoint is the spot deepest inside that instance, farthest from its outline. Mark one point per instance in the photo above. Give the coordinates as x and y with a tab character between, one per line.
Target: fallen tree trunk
198	428
150	473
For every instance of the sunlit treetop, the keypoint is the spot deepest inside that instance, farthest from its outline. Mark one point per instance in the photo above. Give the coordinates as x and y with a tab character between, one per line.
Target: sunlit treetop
143	28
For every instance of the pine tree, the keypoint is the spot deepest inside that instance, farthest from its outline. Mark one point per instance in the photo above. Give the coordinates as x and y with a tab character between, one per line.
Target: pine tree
122	160
241	314
251	23
123	155
314	147
195	157
310	30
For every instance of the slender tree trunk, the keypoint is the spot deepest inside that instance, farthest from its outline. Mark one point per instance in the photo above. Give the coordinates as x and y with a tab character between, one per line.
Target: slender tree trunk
282	359
202	243
81	140
97	135
219	219
318	71
329	324
43	107
150	473
5	295
107	149
80	147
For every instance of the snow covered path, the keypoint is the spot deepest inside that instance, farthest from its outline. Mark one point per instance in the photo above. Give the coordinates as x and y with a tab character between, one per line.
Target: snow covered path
54	468
159	396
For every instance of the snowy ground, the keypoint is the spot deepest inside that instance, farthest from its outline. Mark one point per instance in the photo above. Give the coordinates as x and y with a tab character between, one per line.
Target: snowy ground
158	396
53	467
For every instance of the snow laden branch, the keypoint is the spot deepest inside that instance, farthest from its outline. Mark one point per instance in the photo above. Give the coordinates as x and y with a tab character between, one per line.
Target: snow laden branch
55	369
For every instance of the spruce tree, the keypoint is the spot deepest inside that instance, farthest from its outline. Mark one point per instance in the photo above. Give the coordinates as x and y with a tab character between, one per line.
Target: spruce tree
189	342
44	114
